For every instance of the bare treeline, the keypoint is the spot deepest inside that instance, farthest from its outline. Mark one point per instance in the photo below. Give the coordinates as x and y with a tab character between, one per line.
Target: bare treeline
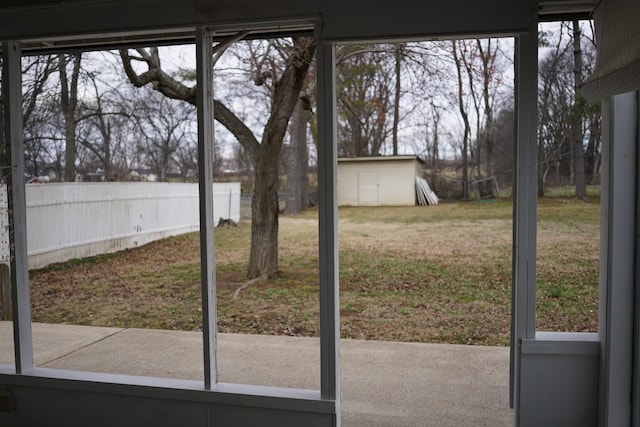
130	114
450	103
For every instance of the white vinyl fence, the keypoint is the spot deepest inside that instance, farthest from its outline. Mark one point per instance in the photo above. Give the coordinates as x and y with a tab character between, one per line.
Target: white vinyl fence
77	220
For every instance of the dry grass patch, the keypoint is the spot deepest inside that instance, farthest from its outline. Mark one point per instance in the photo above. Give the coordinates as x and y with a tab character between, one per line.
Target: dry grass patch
428	274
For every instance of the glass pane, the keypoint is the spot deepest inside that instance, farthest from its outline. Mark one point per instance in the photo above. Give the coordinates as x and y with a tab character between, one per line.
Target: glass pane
426	225
113	242
268	285
569	182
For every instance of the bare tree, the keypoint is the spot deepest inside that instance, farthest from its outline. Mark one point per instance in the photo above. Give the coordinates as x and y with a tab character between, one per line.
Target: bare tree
547	75
103	127
363	76
434	149
164	125
265	59
41	138
263	259
566	120
504	124
298	158
37	114
186	159
467	54
592	117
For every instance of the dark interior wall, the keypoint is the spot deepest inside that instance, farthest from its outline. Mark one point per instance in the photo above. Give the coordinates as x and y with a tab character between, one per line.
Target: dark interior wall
59	407
356	19
107	401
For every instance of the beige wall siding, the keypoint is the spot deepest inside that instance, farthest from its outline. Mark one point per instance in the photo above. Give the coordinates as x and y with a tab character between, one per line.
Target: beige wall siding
377	183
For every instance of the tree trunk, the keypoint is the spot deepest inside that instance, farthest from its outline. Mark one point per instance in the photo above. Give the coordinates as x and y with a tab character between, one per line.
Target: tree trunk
70	147
263	258
593	147
465	165
576	125
467	126
541	174
396	104
475	152
297	166
108	155
434	147
488	58
69	103
108	169
361	148
265	155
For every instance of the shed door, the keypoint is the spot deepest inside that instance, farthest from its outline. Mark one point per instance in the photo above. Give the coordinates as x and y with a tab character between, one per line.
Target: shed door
367	189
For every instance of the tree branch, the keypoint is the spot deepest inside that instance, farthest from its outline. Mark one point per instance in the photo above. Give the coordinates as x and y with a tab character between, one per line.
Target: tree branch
170	87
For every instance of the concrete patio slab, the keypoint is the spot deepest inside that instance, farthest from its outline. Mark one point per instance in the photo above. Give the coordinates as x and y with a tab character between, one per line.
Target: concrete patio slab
383	383
51	342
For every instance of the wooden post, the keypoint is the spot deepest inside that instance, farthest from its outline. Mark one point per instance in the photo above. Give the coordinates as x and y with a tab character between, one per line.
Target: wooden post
5	293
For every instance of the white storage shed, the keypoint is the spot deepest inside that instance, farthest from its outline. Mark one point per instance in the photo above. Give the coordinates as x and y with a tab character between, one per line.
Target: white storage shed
378	181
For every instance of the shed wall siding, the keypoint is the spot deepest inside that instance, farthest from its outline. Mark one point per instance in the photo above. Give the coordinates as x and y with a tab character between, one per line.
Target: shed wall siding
377	183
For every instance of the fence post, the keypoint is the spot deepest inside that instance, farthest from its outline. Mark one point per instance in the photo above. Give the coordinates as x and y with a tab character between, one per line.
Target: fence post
5	293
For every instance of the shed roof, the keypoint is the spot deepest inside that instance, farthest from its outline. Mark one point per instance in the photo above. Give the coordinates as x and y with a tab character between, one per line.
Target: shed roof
378	159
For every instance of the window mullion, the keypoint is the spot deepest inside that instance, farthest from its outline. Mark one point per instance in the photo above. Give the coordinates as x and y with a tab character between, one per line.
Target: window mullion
328	217
12	95
204	69
523	293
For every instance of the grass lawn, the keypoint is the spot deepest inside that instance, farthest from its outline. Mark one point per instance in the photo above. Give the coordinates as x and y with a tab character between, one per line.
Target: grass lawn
426	274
